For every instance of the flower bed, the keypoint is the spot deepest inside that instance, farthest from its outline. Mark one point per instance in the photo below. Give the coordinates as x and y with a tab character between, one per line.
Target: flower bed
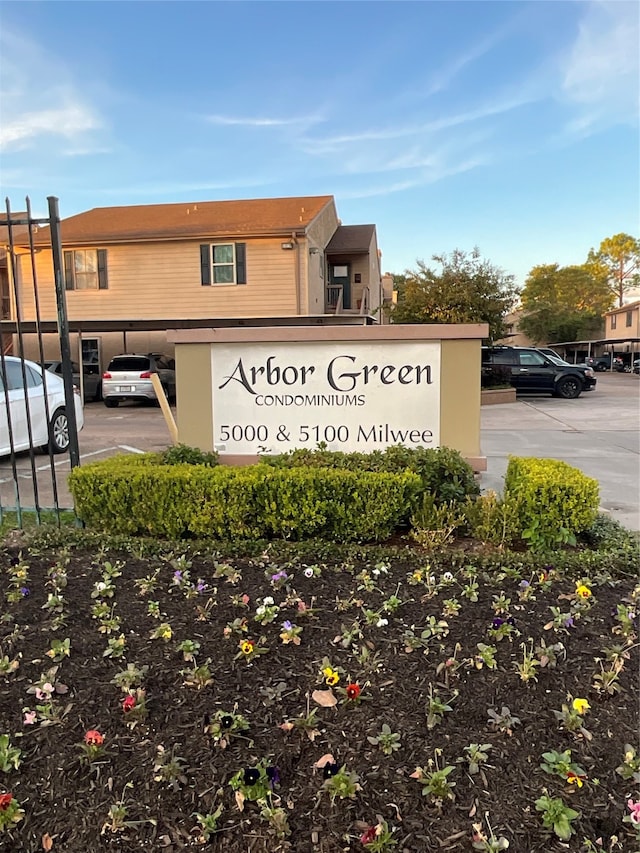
360	700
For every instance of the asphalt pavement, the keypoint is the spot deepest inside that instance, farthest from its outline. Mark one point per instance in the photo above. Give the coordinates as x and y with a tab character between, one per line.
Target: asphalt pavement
597	433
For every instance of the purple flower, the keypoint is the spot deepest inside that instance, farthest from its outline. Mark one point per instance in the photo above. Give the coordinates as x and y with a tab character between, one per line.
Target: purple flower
273	775
523	584
287	626
24	591
279	576
201	586
569	623
177	576
497	622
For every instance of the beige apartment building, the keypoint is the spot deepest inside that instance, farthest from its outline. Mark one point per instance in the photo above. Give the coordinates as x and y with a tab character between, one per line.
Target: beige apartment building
128	270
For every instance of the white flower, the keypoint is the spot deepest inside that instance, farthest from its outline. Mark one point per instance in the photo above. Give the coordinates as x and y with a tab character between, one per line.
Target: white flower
432	578
447	576
101	585
268	600
381	623
308	573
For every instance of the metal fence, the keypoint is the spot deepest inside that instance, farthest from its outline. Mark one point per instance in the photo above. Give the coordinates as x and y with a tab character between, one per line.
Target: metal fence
31	401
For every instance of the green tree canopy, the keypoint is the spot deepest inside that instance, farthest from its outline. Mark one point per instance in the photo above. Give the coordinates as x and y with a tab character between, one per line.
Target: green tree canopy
466	289
563	303
618	261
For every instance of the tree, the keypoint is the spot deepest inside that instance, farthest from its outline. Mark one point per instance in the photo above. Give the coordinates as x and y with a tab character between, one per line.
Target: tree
467	289
563	303
618	260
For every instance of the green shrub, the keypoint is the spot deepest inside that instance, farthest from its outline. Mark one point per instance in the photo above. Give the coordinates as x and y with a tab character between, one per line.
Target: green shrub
555	501
443	472
493	519
433	525
182	454
234	503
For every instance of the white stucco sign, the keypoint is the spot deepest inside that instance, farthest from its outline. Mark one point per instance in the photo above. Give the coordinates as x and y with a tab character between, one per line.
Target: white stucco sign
352	396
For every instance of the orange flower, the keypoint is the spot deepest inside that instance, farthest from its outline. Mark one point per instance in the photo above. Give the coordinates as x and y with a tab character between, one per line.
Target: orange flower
94	738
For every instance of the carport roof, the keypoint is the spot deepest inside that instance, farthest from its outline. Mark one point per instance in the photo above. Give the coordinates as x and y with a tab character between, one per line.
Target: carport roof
10	327
595	341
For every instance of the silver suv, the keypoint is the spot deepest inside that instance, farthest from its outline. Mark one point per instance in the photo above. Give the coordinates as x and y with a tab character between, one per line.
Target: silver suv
128	377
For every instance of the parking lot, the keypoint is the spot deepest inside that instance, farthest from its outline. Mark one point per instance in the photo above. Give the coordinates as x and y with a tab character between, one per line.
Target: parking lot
598	433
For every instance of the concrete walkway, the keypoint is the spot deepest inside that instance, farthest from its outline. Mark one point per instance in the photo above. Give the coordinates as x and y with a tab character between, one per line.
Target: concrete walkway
598	433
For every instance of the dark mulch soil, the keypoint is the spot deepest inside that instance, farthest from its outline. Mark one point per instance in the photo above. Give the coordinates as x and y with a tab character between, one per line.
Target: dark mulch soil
69	801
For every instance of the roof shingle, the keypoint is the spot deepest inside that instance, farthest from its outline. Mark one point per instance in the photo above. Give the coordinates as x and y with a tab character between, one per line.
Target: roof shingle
202	219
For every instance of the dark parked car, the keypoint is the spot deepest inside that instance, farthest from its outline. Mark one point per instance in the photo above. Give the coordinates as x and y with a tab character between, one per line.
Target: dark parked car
636	365
530	370
599	362
128	377
91	380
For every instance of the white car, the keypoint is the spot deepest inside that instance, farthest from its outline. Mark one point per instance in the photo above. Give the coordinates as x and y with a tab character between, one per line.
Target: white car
52	433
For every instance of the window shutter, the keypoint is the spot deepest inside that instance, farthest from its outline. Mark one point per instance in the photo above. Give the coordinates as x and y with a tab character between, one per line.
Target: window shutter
241	263
205	264
103	284
68	271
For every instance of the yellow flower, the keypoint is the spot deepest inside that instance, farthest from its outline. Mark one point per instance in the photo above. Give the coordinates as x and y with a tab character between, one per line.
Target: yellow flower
332	677
246	647
581	706
574	779
583	591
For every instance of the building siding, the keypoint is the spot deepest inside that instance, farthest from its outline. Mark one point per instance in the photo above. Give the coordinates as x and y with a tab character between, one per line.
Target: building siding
162	280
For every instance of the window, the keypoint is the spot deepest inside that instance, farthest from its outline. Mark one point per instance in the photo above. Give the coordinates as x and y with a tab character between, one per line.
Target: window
15	379
223	263
629	318
85	269
502	357
614	319
532	359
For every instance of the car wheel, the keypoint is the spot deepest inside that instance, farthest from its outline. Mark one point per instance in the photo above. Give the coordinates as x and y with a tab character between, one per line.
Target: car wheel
569	388
110	403
58	433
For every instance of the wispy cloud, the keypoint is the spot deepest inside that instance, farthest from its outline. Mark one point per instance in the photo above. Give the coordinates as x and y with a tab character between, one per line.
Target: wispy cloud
69	122
175	188
423	178
330	144
443	77
39	98
261	121
601	74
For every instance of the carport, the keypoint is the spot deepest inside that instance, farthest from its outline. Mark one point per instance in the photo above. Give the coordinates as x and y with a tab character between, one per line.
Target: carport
573	351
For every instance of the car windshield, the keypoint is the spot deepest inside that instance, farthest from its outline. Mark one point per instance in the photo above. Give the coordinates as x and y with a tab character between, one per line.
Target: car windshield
557	360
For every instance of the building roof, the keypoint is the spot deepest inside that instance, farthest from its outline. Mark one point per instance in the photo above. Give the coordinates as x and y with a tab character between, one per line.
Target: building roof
17	231
202	219
351	238
629	306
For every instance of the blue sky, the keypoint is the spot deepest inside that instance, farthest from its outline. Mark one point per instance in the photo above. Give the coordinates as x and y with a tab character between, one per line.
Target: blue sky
511	126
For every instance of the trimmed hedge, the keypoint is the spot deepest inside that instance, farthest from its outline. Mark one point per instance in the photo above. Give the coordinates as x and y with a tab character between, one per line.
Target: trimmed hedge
444	473
555	501
138	495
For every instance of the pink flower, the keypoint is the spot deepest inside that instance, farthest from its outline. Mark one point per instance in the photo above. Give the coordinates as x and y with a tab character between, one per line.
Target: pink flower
369	835
29	718
634	808
45	692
